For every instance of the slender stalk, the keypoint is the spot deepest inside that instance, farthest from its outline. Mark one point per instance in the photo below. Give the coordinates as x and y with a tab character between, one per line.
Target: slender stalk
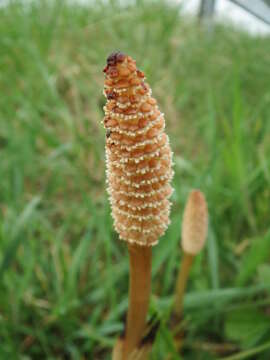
140	258
182	283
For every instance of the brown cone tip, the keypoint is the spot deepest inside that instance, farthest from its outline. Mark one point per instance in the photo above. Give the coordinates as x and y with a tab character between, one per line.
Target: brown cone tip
138	154
195	223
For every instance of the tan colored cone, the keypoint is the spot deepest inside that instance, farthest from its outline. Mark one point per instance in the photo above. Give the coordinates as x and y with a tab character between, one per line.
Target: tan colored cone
138	154
195	223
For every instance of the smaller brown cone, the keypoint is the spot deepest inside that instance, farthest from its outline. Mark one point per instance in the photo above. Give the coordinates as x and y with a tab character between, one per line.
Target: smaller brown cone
195	223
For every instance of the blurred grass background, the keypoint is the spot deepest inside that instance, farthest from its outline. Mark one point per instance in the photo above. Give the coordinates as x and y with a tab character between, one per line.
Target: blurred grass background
63	272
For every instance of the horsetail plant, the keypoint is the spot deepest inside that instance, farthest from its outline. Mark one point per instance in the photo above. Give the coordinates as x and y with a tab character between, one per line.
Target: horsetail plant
194	233
138	162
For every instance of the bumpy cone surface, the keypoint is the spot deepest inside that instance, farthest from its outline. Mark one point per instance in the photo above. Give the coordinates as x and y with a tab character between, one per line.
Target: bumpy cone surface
138	154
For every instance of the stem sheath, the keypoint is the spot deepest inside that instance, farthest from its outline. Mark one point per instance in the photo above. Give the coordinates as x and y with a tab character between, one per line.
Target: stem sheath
140	258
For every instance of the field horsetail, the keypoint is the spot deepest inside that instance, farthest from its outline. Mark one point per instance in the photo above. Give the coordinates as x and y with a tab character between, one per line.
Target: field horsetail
139	171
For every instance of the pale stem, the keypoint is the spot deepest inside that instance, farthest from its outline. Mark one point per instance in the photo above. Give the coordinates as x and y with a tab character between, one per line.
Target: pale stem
181	283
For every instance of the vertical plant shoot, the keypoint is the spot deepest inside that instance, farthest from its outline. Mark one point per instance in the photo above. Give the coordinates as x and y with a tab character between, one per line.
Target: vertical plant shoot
138	160
194	233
